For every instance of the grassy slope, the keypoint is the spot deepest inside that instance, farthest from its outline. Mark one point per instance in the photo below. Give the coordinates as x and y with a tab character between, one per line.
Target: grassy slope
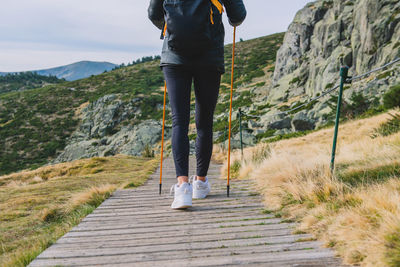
254	65
24	81
357	210
38	207
34	124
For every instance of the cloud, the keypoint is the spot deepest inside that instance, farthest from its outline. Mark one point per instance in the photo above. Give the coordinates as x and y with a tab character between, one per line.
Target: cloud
44	33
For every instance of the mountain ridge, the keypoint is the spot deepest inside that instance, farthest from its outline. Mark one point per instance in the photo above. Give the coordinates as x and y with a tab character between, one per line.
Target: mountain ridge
74	71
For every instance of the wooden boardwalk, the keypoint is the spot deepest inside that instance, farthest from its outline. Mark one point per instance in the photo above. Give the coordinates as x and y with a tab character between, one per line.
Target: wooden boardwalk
136	227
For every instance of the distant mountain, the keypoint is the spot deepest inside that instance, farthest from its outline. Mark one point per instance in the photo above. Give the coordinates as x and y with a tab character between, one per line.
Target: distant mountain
76	71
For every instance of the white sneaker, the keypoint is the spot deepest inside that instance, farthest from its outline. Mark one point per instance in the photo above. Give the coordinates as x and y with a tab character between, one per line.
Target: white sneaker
200	188
182	196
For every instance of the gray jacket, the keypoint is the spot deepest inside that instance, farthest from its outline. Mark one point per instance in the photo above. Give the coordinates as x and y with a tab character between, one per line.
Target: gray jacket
214	58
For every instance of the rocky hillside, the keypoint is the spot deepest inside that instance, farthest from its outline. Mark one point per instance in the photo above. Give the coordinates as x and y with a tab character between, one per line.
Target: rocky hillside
363	34
324	35
35	125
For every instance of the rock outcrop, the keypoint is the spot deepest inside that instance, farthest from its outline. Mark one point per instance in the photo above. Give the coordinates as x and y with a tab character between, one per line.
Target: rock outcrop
362	34
103	133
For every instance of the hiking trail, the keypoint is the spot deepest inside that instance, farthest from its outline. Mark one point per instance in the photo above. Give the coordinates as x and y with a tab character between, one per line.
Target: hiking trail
137	227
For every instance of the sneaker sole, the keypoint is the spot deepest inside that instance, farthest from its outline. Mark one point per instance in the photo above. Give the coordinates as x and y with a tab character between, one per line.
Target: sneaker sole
182	207
199	197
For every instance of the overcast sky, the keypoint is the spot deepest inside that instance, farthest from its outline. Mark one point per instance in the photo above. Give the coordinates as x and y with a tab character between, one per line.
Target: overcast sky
37	34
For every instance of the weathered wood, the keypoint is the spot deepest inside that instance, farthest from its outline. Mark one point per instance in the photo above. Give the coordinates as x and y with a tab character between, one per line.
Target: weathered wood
174	229
136	227
172	238
183	255
182	221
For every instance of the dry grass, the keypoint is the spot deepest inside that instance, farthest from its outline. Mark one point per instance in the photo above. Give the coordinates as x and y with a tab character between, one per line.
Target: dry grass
356	211
39	206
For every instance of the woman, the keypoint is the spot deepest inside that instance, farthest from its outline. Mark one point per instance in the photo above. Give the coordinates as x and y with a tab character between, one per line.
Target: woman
201	60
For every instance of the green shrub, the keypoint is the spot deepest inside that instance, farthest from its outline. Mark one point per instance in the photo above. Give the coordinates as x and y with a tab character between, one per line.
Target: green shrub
148	152
294	80
288	136
389	127
384	75
260	84
235	168
391	98
265	134
392	248
359	104
51	147
192	136
370	176
345	108
329	86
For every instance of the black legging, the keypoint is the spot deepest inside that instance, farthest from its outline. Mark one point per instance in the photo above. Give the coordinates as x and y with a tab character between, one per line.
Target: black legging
206	87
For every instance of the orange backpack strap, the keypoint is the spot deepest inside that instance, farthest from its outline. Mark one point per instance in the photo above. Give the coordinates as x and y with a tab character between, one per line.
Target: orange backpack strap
165	28
220	8
218	5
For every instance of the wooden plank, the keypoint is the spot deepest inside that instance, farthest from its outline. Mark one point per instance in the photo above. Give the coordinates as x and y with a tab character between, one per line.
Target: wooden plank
172	225
277	257
145	239
173	229
162	256
179	219
59	251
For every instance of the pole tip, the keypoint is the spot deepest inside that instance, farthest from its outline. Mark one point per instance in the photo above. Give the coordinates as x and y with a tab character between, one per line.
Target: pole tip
227	190
160	189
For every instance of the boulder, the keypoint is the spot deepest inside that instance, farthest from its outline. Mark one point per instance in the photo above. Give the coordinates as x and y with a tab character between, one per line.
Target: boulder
301	122
247	138
252	124
280	124
130	140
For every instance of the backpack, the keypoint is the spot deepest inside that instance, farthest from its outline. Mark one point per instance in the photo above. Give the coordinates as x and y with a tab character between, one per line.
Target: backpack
190	25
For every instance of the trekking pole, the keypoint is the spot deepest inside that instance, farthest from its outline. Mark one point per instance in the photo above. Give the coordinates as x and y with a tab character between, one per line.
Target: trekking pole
162	136
230	112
